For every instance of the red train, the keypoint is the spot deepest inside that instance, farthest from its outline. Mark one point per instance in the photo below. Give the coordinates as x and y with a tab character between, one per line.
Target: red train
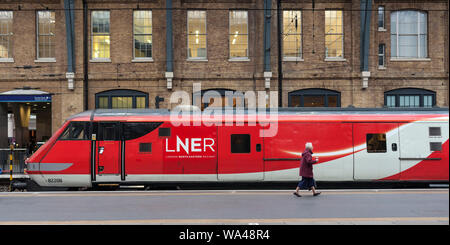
145	146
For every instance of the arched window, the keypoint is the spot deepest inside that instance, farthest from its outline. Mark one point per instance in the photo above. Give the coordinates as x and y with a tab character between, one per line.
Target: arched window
314	97
409	97
219	97
121	99
409	34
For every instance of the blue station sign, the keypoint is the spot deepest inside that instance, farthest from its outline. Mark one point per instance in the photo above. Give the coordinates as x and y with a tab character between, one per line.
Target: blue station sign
25	98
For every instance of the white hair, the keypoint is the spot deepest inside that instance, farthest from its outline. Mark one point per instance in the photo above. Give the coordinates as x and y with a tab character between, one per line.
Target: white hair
308	145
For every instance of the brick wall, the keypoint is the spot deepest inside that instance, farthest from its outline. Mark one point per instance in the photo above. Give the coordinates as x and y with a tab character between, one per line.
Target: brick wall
218	72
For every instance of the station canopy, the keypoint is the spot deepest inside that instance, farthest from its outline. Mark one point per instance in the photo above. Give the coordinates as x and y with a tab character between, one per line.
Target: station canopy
25	95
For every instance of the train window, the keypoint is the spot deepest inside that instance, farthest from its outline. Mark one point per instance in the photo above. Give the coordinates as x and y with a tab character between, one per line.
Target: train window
435	146
108	131
145	147
76	131
138	129
165	132
240	143
376	143
434	131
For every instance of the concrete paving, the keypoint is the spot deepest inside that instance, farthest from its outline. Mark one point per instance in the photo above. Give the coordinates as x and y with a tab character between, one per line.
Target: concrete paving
374	207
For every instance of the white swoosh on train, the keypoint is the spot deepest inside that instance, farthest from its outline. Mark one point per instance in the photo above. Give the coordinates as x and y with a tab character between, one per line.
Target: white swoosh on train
332	153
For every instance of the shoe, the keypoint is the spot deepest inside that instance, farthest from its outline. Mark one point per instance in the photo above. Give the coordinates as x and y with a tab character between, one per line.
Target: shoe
296	194
316	194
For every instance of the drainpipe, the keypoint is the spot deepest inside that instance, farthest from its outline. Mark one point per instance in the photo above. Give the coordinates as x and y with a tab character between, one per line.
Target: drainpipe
366	10
69	13
85	56
267	22
169	44
280	63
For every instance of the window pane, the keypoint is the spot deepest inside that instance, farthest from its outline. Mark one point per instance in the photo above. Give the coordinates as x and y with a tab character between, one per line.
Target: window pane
140	102
238	36
292	45
103	103
422	23
376	143
76	131
423	46
196	34
142	20
142	29
334	45
295	101
46	34
333	22
407	46
100	34
381	16
313	101
100	47
238	46
143	46
394	22
122	102
409	34
100	22
238	22
292	30
390	101
409	101
428	101
394	46
6	33
407	22
240	143
332	101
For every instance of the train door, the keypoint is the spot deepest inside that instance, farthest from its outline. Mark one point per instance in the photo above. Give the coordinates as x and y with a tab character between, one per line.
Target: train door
240	155
108	150
376	153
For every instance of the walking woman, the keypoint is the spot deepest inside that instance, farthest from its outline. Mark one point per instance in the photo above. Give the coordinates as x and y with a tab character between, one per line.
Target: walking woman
306	171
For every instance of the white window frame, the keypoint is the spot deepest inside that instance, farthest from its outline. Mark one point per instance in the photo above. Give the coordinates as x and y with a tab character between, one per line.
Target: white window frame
333	58
418	58
229	35
382	55
381	28
141	59
43	59
295	58
9	35
206	36
92	59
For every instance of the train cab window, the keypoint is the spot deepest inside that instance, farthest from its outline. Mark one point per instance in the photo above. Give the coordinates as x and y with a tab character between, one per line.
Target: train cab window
376	143
435	146
145	147
240	143
434	131
76	131
164	132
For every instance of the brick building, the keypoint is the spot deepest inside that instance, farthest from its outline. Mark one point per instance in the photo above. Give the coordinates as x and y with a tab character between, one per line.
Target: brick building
61	57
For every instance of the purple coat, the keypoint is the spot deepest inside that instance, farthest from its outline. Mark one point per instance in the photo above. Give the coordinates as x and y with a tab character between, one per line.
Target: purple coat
306	168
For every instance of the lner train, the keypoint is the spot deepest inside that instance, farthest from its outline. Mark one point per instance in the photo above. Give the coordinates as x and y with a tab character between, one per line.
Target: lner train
147	146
